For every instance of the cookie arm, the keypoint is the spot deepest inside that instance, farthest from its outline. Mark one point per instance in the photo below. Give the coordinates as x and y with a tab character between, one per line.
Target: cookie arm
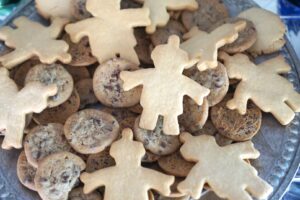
134	79
94	180
137	17
195	90
79	30
277	65
245	150
159	181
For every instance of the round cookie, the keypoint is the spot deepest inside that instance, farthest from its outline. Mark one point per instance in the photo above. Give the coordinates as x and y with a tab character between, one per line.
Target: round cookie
78	194
78	73
210	129
90	131
156	141
216	80
54	8
233	125
144	46
44	140
162	34
79	10
194	116
52	74
246	38
60	113
57	174
99	161
25	172
175	164
108	86
20	75
85	90
81	52
209	13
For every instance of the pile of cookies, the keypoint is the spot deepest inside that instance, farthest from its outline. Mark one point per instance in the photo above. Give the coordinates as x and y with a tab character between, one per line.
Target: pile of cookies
141	99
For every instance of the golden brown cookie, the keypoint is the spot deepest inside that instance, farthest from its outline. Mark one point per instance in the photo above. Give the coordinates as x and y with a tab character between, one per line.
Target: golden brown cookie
175	164
108	86
52	74
162	34
156	141
208	13
78	73
99	161
60	113
86	93
79	11
25	172
21	72
144	46
194	116
57	174
80	52
216	80
233	125
44	140
78	194
90	131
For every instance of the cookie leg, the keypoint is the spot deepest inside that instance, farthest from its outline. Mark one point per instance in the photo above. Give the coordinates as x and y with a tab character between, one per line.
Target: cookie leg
14	133
191	187
240	195
239	100
171	126
258	188
294	101
283	113
148	119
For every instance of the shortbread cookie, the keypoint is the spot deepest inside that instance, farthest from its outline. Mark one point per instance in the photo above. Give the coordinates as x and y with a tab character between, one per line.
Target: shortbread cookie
128	171
158	11
86	93
216	80
194	116
43	141
23	69
156	141
39	37
52	74
261	83
108	86
15	105
78	194
175	164
150	157
166	83
162	34
246	39
116	35
210	129
55	8
60	113
204	46
81	52
222	168
233	125
79	10
209	12
26	172
57	174
270	38
99	161
144	46
91	131
78	73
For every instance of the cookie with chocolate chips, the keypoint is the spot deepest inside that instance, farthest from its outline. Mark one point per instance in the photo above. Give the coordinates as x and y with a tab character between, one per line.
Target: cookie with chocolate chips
90	131
99	161
216	80
156	141
25	172
44	140
57	174
108	86
233	125
52	74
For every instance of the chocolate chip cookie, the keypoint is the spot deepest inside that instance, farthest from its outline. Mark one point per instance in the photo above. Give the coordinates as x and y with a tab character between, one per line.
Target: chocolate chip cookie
26	172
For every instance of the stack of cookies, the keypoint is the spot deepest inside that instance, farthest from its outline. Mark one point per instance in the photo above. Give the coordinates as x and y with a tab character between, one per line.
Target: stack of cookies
141	99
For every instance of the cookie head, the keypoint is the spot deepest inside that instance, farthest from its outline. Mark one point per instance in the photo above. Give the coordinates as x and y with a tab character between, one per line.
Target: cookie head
134	150
173	52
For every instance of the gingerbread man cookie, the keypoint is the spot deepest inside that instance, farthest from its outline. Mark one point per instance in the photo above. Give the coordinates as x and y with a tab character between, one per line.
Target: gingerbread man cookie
166	83
128	179
110	31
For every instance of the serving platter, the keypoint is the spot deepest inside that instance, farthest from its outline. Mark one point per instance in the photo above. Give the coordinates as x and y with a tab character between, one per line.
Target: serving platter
279	145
